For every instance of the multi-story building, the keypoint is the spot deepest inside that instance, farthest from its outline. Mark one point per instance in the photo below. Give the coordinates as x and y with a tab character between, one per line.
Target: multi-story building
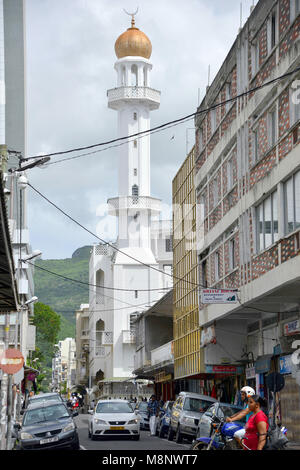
248	197
82	345
138	265
64	365
188	360
13	138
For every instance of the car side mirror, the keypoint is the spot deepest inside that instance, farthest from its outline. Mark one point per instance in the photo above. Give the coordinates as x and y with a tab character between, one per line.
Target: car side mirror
136	412
75	413
90	412
17	426
22	412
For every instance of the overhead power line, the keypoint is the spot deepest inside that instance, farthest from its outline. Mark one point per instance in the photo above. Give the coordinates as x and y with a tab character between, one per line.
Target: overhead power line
109	244
94	285
169	123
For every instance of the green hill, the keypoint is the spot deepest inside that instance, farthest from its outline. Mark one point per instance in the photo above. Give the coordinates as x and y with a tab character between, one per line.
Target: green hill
64	296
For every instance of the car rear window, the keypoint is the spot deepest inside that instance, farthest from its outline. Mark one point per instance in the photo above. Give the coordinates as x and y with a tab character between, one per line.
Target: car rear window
42	398
143	406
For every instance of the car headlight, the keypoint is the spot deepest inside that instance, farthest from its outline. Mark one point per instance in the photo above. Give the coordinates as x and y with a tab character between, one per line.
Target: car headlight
26	435
69	427
99	421
133	421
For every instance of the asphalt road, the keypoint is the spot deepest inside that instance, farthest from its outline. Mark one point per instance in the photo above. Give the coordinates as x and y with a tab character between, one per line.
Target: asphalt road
146	441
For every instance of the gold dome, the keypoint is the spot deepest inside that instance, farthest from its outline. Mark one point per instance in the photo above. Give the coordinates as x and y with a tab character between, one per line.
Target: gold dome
133	42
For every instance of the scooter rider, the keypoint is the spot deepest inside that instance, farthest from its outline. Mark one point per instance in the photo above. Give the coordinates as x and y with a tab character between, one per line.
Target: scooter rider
246	392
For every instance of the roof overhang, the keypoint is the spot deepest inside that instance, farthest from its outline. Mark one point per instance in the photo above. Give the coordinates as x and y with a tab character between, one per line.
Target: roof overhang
9	299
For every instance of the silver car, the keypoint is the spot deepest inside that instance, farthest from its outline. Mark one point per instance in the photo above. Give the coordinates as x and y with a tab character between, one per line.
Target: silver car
186	413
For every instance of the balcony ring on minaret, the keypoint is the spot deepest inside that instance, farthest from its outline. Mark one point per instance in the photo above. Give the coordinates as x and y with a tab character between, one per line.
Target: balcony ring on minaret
133	42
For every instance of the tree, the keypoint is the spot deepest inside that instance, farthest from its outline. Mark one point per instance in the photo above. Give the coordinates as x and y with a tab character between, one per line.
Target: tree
47	324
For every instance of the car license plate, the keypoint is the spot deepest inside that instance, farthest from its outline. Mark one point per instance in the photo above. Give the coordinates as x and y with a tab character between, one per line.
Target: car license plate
117	428
50	439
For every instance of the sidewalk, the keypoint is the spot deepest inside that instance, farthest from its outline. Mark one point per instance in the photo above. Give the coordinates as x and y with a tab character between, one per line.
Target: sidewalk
292	445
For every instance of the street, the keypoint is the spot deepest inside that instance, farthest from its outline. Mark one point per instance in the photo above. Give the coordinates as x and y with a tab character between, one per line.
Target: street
146	441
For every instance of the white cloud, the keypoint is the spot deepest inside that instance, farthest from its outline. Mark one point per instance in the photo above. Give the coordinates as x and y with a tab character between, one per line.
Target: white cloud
70	59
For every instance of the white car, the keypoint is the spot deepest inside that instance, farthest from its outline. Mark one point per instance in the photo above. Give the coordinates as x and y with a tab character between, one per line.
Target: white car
113	418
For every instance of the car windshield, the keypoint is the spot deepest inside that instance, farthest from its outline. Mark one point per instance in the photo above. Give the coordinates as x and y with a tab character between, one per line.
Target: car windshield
42	398
111	407
228	411
143	406
196	404
48	413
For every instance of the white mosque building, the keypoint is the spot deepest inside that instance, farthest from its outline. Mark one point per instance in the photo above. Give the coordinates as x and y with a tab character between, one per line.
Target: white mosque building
144	240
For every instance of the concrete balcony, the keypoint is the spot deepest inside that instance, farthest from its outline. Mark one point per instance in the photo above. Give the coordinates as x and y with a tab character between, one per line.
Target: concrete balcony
125	94
162	354
117	204
128	337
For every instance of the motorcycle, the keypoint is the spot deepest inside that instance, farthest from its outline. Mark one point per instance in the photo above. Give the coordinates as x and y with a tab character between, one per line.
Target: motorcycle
221	436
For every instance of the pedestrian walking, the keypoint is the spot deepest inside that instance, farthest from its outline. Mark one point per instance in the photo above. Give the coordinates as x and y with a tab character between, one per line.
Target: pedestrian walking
153	409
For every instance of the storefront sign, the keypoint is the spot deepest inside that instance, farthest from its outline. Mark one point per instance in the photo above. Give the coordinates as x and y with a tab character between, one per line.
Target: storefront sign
285	364
292	328
250	373
208	336
262	364
232	370
218	296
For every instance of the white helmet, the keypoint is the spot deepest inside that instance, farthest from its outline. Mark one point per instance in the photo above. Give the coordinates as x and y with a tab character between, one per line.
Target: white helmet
248	390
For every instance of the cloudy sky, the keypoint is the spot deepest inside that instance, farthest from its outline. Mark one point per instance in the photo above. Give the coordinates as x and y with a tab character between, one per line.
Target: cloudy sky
70	65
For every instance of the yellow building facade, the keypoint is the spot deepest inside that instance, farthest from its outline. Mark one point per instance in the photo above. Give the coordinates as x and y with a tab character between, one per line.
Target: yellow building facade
188	359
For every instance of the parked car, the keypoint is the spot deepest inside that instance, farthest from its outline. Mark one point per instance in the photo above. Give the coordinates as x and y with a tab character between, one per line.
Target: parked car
47	425
221	410
44	397
186	413
113	418
163	420
142	409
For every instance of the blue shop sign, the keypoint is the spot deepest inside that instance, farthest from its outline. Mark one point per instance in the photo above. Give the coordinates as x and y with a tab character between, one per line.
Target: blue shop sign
285	364
263	364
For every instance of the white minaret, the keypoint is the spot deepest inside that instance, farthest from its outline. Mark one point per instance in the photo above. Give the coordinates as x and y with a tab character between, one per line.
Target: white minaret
134	99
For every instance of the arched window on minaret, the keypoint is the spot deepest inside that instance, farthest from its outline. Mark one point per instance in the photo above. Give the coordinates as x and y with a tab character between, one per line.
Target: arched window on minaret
134	75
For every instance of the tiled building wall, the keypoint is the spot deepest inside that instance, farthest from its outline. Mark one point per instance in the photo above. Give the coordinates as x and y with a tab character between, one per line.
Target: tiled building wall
271	64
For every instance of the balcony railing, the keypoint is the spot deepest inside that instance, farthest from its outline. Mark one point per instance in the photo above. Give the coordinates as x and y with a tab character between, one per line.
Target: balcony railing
133	92
162	354
128	337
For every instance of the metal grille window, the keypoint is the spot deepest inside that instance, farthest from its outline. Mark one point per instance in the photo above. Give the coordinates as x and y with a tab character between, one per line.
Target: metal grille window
213	117
231	254
217	266
267	222
255	146
169	244
228	96
272	128
135	190
292	203
229	174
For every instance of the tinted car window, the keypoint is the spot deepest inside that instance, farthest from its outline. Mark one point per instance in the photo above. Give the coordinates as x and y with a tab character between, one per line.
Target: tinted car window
111	407
197	405
48	413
